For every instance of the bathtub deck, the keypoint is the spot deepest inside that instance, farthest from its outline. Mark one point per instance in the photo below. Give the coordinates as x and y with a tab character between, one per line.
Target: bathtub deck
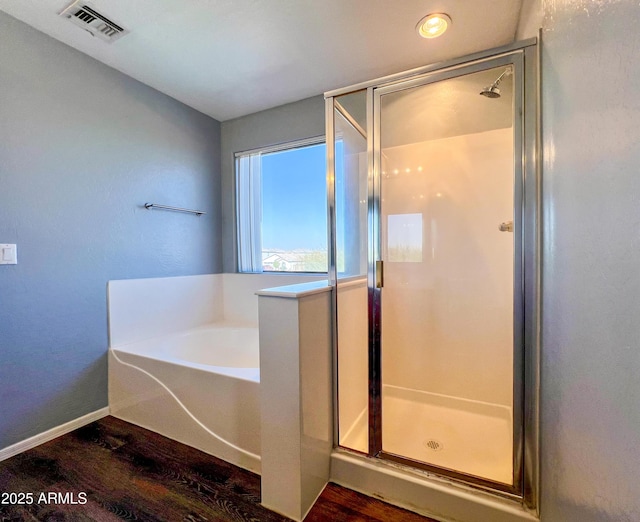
131	473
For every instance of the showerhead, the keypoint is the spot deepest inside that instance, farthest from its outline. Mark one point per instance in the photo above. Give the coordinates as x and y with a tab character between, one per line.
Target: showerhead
492	90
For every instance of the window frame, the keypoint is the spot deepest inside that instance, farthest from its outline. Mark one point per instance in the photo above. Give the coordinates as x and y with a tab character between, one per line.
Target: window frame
281	147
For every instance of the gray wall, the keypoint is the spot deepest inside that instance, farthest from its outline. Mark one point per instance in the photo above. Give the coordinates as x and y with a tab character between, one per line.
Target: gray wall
294	121
591	295
82	147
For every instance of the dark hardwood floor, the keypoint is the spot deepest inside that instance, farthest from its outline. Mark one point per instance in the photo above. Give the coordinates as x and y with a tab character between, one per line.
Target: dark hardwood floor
111	470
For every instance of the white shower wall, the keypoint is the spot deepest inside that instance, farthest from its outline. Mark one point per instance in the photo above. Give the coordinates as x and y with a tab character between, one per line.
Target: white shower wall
447	319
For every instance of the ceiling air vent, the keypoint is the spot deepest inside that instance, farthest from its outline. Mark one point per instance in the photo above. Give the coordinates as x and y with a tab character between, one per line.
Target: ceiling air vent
84	15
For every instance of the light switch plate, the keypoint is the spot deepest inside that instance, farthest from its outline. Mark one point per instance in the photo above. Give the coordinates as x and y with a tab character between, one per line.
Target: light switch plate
8	254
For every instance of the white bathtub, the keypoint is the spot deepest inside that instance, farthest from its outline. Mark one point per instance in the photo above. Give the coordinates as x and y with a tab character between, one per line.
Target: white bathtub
200	387
180	365
226	350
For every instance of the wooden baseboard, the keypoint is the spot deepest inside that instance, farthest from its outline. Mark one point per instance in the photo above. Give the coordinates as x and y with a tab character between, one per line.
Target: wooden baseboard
51	434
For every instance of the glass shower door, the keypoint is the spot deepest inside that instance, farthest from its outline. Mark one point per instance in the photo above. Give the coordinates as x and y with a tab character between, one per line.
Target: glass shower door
448	202
350	271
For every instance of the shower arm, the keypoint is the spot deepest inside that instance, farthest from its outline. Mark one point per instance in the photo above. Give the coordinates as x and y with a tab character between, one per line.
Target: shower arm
499	79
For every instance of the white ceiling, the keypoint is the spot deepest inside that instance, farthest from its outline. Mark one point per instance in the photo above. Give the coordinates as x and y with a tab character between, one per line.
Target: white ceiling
228	58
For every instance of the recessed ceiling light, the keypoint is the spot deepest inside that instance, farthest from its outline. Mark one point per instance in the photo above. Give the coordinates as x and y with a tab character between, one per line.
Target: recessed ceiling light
433	25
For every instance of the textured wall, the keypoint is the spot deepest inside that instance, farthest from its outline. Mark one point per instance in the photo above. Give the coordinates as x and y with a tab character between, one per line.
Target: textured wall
82	147
294	121
591	295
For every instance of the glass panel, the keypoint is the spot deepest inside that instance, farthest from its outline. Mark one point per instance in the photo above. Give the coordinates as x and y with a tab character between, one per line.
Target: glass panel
294	199
447	184
282	213
351	252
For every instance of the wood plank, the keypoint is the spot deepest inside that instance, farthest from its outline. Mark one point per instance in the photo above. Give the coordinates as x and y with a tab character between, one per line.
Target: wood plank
340	504
129	473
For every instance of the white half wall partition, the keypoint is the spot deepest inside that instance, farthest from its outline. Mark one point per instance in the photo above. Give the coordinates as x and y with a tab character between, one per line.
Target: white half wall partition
296	395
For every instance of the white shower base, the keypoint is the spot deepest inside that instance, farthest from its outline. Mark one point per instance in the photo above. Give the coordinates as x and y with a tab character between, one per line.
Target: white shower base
459	434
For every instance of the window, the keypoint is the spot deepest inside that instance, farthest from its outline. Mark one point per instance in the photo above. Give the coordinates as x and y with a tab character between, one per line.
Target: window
281	199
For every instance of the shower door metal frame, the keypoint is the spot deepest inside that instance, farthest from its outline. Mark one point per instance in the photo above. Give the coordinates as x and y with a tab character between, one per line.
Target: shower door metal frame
524	56
515	60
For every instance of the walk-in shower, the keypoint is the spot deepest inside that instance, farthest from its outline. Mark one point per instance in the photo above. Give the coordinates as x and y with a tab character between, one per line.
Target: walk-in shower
433	208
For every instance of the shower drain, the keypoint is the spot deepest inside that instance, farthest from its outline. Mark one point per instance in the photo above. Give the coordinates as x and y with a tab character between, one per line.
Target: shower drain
433	444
